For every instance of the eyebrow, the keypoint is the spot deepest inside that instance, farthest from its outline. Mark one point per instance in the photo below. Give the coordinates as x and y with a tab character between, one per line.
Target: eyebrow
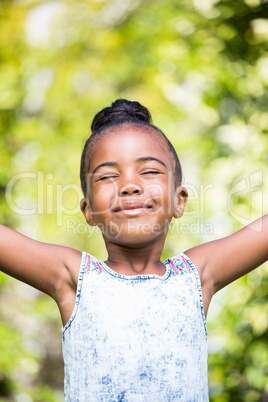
110	164
151	158
141	159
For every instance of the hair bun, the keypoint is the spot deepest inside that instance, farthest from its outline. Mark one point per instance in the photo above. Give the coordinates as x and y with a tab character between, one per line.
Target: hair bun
121	110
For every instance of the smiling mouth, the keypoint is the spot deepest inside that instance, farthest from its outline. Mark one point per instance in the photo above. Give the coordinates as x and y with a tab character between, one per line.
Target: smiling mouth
131	208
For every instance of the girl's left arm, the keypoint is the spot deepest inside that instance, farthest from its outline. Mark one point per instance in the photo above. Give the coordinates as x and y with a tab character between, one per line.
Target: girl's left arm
222	261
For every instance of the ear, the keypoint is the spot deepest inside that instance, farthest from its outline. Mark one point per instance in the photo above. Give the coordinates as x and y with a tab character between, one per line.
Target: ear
86	210
181	197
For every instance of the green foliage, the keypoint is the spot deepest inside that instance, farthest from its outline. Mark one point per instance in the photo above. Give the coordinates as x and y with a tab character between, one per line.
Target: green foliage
201	67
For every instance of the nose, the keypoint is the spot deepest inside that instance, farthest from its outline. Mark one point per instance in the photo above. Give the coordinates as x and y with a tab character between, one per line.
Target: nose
130	188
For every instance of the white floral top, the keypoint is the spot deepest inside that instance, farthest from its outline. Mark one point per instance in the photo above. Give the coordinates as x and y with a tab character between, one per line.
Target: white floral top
136	338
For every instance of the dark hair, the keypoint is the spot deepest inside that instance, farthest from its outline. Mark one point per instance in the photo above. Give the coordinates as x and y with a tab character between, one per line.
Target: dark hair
120	112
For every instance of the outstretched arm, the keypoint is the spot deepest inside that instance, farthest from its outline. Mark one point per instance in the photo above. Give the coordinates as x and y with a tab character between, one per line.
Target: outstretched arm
222	261
46	267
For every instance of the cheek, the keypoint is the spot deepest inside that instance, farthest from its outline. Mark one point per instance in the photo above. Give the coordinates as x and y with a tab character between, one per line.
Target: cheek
161	192
103	197
162	198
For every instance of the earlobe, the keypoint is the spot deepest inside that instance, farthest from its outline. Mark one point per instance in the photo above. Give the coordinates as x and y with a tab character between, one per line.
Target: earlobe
180	201
86	210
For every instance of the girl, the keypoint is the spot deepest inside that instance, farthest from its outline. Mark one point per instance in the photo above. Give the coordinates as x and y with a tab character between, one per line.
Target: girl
133	326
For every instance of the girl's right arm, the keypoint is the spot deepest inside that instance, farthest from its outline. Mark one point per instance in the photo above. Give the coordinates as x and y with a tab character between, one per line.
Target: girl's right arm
49	268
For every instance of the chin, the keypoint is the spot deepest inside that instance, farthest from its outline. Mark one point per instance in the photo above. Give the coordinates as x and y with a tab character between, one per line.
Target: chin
135	233
137	240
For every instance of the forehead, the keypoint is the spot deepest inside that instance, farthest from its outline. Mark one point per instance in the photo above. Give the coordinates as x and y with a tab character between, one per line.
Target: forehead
129	142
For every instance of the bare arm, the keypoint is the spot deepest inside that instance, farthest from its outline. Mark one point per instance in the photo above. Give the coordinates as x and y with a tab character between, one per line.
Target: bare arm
49	268
222	261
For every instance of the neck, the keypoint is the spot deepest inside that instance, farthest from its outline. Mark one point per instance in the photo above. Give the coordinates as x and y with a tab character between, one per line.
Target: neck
139	260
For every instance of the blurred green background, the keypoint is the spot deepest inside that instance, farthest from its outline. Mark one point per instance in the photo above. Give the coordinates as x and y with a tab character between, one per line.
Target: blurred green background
201	67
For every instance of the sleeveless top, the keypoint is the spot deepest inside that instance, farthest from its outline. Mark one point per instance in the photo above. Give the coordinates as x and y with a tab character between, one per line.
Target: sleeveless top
136	338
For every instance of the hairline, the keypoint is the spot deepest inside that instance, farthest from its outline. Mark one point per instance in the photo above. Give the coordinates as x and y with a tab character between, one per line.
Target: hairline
99	133
108	128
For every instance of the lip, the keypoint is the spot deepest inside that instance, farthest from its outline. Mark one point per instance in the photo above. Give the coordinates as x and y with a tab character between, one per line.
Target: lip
131	208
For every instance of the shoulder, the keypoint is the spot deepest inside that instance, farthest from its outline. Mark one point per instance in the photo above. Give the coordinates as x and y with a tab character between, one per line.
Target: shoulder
199	258
181	264
72	263
66	262
67	281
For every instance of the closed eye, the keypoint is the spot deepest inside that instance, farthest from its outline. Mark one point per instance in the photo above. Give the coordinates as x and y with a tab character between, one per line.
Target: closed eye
108	177
151	172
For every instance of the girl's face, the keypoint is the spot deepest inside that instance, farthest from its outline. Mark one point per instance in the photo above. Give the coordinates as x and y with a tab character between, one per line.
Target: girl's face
132	186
